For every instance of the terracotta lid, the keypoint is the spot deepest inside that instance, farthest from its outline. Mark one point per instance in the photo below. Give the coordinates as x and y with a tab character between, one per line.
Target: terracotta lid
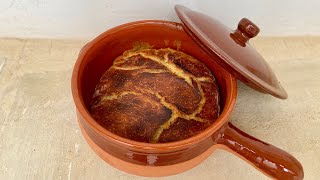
232	46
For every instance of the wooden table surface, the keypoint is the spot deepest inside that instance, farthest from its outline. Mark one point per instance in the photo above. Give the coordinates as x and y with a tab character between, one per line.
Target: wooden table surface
40	138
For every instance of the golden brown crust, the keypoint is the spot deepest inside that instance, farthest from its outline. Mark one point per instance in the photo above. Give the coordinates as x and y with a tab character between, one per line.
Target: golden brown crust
156	96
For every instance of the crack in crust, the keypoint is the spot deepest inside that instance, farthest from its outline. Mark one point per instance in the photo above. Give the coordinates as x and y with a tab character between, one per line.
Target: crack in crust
176	113
141	69
114	96
168	67
174	69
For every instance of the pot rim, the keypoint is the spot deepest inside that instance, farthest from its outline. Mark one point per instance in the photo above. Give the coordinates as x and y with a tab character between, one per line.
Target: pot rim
81	108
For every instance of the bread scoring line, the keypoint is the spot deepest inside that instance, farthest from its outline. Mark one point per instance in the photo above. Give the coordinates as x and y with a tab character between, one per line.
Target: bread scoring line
188	78
176	113
171	67
180	73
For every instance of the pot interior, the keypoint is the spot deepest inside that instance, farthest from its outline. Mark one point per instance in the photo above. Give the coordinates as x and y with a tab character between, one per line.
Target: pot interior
99	54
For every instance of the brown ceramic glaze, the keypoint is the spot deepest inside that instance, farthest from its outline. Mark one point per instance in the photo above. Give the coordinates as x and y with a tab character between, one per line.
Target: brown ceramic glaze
235	53
164	159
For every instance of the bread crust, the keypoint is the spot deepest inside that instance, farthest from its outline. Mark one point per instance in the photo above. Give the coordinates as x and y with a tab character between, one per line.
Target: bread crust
156	95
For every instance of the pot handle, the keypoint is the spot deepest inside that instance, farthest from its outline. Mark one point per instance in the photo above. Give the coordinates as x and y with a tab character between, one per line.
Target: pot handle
267	158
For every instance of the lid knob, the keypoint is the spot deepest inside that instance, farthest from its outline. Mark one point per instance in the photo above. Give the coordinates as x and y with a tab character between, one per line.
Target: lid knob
246	30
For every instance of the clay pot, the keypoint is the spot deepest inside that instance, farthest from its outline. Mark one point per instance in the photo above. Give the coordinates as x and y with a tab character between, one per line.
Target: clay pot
146	159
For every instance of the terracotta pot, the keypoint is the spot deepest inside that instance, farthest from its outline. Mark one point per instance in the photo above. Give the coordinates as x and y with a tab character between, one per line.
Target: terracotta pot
146	159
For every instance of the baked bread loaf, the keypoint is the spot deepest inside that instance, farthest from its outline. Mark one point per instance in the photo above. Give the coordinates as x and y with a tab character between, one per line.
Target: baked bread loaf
152	95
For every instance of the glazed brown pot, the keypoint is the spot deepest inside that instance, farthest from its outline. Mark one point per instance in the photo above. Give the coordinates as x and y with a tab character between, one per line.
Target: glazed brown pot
146	159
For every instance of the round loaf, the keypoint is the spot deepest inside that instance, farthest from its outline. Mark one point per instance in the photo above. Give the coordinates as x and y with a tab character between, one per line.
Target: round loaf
156	95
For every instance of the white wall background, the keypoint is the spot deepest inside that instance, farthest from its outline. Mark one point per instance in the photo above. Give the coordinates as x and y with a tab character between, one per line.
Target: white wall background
88	18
